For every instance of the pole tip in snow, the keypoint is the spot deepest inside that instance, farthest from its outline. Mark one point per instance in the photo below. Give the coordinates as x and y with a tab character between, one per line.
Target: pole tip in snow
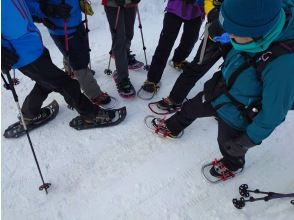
45	186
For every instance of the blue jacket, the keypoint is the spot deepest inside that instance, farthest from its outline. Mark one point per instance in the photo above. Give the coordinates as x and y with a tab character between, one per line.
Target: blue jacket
276	91
19	34
72	22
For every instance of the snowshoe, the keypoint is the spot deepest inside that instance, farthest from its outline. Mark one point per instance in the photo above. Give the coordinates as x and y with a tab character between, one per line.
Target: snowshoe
133	64
164	107
158	126
136	66
179	66
216	172
125	88
148	90
47	113
104	118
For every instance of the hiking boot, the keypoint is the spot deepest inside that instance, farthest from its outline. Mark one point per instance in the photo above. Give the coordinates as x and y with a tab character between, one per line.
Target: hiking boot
167	104
124	87
133	64
102	99
150	87
43	115
101	116
219	170
161	129
180	65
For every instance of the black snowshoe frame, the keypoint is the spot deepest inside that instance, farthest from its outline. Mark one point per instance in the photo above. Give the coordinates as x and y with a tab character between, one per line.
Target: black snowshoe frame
79	123
17	130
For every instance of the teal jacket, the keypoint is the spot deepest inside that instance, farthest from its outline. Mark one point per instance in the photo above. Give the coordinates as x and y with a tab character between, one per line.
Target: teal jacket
276	91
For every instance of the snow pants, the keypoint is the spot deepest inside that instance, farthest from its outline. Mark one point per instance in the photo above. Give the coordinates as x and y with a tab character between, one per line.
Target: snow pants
195	70
77	58
195	108
122	35
168	36
48	79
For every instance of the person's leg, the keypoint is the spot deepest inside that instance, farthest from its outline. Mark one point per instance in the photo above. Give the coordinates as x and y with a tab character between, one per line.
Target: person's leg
79	57
118	41
169	33
130	16
191	110
33	102
225	133
188	39
194	71
46	74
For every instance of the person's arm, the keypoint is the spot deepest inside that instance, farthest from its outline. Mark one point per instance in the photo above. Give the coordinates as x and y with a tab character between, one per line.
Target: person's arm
277	98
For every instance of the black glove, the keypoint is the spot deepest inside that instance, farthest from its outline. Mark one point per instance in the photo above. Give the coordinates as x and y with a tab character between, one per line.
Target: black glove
238	147
61	10
215	29
135	1
8	59
120	3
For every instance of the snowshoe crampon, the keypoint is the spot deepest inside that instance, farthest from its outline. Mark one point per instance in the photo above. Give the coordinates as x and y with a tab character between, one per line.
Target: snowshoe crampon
158	127
179	66
16	130
148	90
79	122
136	66
160	108
224	173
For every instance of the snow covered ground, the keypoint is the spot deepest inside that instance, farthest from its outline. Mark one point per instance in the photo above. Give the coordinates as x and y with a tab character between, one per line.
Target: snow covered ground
126	172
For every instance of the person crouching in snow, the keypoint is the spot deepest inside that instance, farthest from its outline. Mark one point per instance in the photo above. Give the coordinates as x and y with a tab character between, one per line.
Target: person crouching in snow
254	90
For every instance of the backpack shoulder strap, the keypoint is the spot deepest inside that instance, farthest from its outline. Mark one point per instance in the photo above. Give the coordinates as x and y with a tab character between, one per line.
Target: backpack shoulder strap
274	51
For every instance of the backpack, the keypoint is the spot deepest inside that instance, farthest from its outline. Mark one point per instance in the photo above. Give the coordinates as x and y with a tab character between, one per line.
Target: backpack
217	86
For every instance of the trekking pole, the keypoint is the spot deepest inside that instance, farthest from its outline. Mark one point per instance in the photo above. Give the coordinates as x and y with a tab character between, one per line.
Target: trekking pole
9	85
146	67
203	48
108	71
245	193
88	38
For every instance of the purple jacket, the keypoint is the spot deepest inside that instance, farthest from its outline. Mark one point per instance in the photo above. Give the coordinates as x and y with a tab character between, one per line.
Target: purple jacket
186	12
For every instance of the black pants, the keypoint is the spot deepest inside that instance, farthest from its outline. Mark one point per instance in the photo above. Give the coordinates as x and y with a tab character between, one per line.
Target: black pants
194	71
122	36
168	36
49	78
195	108
78	45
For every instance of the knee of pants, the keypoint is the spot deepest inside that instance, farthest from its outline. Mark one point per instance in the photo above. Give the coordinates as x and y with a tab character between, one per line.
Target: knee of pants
84	76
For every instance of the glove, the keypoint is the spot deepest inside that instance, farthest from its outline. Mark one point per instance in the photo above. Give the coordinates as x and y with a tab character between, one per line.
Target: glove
223	39
135	1
46	22
56	11
8	59
238	147
120	3
215	29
